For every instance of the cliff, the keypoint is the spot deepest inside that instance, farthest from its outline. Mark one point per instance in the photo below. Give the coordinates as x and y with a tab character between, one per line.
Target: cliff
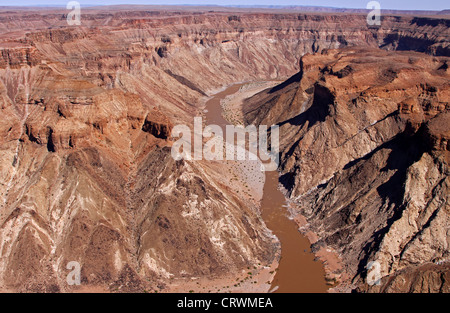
87	113
364	161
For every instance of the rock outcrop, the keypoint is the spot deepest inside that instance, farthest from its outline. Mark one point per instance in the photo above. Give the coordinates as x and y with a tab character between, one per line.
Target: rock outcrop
86	119
364	160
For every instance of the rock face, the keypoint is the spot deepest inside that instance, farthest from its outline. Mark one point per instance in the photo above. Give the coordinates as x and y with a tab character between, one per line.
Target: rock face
86	112
158	125
365	158
87	176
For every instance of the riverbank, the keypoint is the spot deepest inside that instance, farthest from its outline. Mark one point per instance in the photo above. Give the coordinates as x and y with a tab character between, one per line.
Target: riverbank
298	269
247	181
232	104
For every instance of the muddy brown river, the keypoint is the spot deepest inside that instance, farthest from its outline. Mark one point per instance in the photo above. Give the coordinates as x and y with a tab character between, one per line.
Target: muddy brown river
297	271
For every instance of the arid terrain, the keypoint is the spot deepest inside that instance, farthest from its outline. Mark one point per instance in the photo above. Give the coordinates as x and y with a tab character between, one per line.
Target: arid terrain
86	172
365	159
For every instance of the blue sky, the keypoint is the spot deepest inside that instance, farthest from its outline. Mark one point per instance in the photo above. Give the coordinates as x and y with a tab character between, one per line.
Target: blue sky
386	4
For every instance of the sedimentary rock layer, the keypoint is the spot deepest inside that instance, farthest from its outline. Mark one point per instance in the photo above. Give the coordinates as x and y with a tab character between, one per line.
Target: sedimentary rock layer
86	117
365	157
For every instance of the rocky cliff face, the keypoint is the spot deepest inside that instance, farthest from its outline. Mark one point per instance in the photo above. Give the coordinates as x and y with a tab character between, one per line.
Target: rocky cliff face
365	160
87	176
87	114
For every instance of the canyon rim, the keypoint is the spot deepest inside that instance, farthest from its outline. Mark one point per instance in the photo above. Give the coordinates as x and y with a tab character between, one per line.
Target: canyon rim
87	177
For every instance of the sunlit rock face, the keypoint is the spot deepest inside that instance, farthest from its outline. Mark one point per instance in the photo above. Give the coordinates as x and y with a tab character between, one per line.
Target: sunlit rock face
365	157
87	112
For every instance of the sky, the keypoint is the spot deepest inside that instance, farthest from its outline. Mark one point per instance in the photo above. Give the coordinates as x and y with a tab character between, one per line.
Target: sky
385	4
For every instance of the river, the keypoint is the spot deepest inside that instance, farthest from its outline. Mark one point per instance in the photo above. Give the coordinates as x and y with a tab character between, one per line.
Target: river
297	270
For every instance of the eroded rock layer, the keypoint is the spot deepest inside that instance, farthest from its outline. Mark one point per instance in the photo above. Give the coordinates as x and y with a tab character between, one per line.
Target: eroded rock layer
87	112
365	157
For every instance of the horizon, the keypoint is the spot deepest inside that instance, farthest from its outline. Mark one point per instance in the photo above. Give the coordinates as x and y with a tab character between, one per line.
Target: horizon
405	5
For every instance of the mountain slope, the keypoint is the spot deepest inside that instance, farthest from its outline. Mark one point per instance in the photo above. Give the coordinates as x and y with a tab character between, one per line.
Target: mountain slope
85	136
364	160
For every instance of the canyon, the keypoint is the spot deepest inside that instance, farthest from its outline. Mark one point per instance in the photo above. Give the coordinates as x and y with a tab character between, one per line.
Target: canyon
364	150
86	173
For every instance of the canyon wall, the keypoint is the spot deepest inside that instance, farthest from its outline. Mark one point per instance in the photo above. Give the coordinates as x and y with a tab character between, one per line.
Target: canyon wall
364	161
87	113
